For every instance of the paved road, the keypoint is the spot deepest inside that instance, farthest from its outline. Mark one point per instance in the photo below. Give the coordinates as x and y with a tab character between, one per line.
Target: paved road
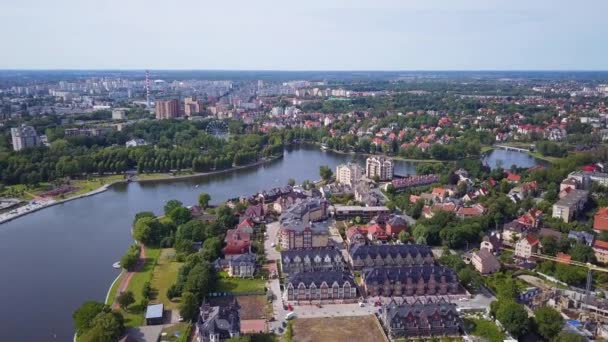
272	231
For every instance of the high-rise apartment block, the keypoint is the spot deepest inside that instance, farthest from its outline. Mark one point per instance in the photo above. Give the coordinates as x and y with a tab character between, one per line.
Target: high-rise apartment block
349	173
167	109
379	166
24	136
192	106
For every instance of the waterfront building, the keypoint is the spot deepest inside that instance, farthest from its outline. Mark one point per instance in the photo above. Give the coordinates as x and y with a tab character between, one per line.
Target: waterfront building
379	166
24	137
348	174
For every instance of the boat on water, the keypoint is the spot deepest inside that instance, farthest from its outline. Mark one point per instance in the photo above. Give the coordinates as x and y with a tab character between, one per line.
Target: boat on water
116	264
196	186
324	147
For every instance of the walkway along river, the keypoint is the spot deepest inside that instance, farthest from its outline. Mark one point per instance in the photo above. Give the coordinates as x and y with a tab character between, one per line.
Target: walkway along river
54	259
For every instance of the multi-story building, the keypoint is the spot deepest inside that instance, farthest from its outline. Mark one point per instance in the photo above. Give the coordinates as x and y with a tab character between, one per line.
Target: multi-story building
242	266
526	246
407	321
485	262
379	166
192	106
364	213
167	109
324	285
298	227
311	260
218	323
24	137
571	205
370	256
86	132
119	113
600	249
348	174
411	281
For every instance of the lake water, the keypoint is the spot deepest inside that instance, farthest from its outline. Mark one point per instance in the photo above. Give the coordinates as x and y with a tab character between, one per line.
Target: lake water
54	259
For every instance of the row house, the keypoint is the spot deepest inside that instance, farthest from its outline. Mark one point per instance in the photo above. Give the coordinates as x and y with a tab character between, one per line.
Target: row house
324	285
311	260
369	256
415	320
411	281
600	249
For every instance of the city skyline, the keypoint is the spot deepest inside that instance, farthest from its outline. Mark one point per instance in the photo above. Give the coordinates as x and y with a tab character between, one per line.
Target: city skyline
316	35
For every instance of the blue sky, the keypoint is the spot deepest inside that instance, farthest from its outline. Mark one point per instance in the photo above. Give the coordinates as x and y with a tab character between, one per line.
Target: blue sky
305	35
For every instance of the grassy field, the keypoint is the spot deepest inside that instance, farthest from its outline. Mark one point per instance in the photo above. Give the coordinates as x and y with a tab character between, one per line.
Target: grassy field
361	328
485	329
165	275
227	284
177	333
135	316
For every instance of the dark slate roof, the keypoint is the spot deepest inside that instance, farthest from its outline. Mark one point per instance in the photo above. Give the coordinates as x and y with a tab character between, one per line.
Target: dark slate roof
222	320
419	310
394	274
363	251
310	252
247	257
329	277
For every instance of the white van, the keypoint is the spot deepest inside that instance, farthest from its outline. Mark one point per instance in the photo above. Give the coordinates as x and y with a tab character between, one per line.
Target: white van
290	315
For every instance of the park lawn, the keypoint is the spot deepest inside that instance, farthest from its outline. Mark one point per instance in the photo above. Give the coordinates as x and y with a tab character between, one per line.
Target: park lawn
177	332
236	285
93	183
551	160
113	289
23	192
165	275
485	329
135	316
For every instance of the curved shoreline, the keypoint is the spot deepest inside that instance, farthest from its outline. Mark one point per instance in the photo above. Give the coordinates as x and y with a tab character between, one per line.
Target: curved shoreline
105	187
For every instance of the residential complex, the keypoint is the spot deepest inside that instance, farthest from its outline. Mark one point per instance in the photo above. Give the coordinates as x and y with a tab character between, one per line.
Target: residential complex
403	321
167	109
348	174
380	167
568	207
24	137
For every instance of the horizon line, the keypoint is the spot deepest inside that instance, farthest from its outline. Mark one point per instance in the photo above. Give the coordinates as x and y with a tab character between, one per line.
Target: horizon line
309	70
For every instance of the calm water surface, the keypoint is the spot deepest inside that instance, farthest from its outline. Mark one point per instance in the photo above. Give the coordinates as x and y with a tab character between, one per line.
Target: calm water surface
53	260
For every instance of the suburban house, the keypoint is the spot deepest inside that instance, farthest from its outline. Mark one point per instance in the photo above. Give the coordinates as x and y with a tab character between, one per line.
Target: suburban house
492	242
369	256
237	242
376	233
247	226
395	225
485	262
218	323
600	248
570	206
472	211
411	281
407	321
311	260
600	220
356	235
243	265
324	285
526	246
255	212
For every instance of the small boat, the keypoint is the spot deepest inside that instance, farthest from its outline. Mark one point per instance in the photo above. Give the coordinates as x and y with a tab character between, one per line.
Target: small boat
116	264
196	186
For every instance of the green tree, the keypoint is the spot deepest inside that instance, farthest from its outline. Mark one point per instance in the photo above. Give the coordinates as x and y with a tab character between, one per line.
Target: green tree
203	199
549	322
142	230
131	257
180	215
549	244
291	182
170	205
404	236
582	253
106	327
188	307
513	317
125	299
84	315
325	173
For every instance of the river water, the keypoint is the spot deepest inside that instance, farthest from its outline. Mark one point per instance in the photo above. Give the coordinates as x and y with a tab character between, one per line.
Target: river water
54	259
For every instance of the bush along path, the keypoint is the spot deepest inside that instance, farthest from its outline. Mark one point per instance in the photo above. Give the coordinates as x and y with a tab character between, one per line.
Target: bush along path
124	283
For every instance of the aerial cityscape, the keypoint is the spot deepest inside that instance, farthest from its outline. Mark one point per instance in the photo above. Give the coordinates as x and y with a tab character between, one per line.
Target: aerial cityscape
328	171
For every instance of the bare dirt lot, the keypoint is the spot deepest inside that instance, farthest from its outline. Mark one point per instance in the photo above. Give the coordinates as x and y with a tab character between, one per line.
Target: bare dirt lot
252	307
339	329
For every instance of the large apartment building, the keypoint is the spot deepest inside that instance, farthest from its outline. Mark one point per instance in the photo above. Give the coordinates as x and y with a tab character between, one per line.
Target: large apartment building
379	166
167	109
24	136
348	174
192	106
571	205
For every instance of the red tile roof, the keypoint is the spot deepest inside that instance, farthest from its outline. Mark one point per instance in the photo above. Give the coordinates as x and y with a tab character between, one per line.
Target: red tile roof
600	220
532	240
563	258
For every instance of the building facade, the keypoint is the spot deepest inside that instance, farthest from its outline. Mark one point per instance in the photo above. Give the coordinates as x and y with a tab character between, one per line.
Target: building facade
167	109
411	281
371	256
218	323
365	213
298	228
421	320
348	174
242	266
526	246
571	205
24	137
485	262
311	260
192	106
379	166
325	285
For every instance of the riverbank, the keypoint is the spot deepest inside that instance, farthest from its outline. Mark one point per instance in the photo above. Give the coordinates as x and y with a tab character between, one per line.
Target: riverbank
34	206
371	155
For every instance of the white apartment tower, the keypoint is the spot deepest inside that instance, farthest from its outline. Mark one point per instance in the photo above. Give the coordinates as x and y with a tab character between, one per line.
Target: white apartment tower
349	173
379	166
24	136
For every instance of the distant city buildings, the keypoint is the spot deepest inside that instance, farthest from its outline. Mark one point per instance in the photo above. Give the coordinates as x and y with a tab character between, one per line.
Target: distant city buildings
119	113
380	167
24	137
192	106
167	109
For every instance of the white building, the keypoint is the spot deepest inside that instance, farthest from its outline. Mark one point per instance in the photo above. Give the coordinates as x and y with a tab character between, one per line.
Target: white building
135	143
349	173
379	166
119	113
24	137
